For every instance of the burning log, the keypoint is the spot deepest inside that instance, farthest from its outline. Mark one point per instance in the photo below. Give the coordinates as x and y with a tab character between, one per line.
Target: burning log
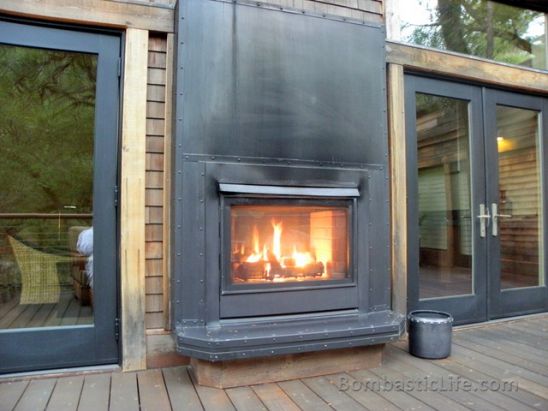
251	271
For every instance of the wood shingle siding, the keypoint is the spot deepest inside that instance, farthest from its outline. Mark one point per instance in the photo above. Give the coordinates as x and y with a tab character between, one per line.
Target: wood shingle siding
155	314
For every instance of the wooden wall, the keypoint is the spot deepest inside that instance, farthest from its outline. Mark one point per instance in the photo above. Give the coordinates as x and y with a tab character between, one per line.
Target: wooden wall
155	270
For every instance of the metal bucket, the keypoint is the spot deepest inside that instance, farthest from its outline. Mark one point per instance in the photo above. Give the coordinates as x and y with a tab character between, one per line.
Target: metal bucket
430	333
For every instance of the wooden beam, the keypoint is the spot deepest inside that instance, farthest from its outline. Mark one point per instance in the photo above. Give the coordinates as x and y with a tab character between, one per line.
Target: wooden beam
167	181
466	67
398	169
94	12
132	213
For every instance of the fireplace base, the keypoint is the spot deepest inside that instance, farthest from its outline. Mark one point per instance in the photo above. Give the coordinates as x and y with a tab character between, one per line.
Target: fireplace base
274	336
237	373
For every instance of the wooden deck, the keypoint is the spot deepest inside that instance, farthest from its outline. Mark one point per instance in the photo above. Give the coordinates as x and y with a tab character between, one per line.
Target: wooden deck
68	311
500	366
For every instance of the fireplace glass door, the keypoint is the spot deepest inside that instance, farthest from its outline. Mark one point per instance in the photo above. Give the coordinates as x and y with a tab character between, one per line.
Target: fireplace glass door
286	243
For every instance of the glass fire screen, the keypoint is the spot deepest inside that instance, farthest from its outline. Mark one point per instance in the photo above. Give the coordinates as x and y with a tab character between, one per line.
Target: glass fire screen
288	243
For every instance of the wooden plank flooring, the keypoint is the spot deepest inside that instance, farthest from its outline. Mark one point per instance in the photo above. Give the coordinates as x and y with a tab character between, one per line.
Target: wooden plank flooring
497	366
68	311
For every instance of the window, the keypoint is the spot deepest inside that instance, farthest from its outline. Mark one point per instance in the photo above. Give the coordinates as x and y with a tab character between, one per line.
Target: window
479	28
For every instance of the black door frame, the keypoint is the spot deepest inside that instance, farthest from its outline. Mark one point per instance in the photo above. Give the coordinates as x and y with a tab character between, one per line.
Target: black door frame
487	301
82	345
526	300
470	307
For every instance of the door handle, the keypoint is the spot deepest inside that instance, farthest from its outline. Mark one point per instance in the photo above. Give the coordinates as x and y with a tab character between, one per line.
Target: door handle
484	217
496	216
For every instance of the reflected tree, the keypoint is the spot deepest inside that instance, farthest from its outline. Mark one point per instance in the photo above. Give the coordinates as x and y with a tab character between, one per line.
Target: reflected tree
47	101
480	28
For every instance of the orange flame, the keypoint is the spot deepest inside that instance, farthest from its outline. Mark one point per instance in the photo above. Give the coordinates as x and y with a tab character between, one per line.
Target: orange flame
277	240
298	259
256	256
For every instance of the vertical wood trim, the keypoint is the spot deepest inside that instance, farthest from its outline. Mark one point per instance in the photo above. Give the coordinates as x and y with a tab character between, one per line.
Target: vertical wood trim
396	105
132	211
167	182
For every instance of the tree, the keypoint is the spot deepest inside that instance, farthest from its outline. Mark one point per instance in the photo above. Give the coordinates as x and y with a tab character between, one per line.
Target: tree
47	115
480	28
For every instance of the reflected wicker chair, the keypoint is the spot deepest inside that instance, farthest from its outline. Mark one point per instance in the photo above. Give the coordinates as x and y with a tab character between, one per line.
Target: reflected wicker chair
39	273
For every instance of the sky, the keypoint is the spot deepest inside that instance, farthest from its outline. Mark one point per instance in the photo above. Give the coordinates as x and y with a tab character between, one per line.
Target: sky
418	12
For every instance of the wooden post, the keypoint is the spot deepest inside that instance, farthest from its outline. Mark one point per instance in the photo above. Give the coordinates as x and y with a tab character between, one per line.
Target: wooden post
132	212
396	107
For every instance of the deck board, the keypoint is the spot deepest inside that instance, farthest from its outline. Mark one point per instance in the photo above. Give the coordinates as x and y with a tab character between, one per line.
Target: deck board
214	398
336	398
10	393
181	392
422	368
274	398
124	395
497	353
501	355
95	393
36	396
366	397
66	394
403	400
473	378
152	391
304	397
245	399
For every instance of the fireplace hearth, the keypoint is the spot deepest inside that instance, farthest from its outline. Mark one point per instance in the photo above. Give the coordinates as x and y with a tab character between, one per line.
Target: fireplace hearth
280	197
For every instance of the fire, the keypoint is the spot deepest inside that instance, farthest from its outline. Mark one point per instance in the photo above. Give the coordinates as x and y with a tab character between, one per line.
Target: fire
288	244
277	240
296	259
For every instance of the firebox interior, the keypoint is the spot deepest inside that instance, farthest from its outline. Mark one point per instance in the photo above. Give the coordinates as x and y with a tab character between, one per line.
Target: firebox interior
283	243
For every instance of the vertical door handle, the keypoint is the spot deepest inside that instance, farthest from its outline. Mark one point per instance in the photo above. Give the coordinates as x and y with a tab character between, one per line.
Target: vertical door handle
496	216
484	217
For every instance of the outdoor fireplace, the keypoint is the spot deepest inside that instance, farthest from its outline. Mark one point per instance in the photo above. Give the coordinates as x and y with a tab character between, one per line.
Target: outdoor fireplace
280	192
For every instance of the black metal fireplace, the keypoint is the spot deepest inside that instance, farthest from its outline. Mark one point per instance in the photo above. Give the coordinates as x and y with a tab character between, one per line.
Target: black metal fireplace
281	228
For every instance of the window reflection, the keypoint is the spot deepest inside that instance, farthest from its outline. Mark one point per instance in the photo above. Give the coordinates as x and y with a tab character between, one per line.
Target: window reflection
47	114
444	220
520	205
476	27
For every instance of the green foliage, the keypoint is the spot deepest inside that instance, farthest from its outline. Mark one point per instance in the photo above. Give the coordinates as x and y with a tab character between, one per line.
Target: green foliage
47	104
480	28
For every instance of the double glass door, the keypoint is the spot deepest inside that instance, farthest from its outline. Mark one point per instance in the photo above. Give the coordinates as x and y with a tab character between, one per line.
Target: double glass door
477	200
58	155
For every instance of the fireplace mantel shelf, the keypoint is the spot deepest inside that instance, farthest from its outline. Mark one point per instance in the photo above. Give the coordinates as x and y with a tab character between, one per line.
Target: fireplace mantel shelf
229	340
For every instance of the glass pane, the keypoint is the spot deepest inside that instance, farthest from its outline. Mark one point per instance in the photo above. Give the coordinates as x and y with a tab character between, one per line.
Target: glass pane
285	243
445	231
47	104
520	205
477	27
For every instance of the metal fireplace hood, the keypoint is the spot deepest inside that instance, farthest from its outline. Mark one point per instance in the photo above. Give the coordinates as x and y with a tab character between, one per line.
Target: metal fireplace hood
263	119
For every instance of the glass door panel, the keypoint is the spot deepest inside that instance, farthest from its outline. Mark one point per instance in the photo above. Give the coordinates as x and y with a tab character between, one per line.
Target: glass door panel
46	175
445	224
520	202
59	92
445	169
516	193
